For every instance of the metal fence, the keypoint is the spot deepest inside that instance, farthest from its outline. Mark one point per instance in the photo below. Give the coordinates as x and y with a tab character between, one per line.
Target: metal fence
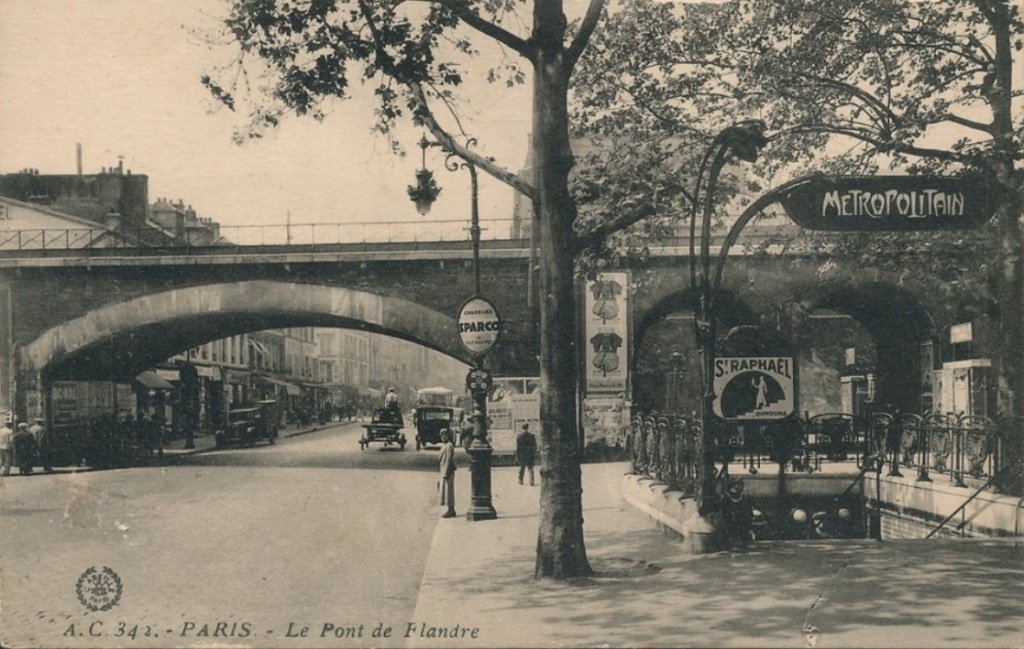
665	446
304	234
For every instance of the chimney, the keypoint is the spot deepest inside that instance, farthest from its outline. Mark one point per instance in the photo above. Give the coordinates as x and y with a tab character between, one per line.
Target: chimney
78	157
112	220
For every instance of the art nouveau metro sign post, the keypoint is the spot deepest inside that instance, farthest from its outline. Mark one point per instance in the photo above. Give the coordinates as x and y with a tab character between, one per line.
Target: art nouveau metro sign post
744	389
886	203
850	204
874	204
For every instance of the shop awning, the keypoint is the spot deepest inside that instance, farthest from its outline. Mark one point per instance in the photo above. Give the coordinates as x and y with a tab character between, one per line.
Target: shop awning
370	392
342	389
151	380
290	388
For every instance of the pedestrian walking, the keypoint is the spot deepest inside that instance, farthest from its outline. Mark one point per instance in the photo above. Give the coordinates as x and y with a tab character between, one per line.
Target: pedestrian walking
24	449
7	447
526	452
447	467
44	444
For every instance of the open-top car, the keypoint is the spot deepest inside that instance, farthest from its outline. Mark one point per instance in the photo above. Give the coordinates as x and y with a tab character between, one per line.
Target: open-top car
249	424
385	426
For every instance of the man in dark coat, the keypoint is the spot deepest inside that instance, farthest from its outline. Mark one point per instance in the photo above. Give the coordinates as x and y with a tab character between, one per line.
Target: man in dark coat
43	444
24	449
526	452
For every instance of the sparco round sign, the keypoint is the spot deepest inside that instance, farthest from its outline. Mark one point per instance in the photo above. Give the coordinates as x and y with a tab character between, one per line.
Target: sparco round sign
479	325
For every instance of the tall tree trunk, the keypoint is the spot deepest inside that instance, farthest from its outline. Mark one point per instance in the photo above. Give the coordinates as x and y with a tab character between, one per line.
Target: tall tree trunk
560	548
1010	267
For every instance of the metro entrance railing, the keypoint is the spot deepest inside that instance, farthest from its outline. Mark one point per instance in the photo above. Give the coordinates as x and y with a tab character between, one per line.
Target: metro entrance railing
959	447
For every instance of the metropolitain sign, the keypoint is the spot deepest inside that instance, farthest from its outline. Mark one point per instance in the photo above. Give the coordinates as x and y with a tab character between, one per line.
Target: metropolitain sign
864	203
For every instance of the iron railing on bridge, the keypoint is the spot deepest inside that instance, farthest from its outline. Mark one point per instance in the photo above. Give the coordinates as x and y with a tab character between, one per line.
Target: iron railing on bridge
156	239
228	236
665	445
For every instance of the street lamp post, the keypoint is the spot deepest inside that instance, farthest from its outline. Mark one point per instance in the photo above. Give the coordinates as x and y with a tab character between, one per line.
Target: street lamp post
478	380
744	141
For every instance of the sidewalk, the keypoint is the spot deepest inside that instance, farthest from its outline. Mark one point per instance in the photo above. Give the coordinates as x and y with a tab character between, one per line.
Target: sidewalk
936	593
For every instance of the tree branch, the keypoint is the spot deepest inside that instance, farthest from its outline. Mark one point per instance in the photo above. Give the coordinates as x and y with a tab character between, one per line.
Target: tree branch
925	152
424	113
382	59
487	28
963	53
640	212
579	43
867	97
621	222
969	123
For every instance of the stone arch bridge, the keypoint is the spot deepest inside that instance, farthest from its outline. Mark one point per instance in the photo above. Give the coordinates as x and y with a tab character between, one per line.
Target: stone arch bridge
111	313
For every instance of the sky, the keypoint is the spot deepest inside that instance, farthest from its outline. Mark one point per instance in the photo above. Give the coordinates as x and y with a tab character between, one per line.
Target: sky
121	77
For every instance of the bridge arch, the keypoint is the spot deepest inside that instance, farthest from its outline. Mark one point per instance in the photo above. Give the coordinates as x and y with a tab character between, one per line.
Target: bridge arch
653	364
898	324
129	336
891	317
730	310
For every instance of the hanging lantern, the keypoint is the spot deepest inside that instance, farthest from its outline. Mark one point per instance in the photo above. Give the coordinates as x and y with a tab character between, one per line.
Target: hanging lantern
425	191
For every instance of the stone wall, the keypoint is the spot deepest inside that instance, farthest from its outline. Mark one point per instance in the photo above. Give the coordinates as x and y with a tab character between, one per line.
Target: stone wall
909	509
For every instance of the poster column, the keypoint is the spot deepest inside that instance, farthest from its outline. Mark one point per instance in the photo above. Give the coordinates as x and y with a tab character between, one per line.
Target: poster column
606	347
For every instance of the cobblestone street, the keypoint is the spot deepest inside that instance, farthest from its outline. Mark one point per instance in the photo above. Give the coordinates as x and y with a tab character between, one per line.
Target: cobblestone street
293	545
209	555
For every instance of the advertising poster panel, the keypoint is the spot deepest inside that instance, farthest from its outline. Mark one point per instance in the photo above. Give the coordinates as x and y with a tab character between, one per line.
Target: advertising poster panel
33	404
754	387
607	333
606	353
511	402
606	420
64	402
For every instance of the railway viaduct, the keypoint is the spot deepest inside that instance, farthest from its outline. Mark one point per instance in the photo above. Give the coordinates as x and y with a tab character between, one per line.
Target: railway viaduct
111	313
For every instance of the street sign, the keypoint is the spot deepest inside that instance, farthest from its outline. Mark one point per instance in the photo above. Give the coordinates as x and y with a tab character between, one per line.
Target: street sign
754	387
479	325
881	203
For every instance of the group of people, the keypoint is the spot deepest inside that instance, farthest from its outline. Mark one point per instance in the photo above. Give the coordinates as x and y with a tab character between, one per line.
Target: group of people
24	446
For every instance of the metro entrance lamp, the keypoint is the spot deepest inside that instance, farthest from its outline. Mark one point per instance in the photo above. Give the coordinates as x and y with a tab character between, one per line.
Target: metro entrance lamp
742	140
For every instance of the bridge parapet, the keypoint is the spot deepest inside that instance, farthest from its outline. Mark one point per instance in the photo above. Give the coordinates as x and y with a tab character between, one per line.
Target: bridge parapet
308	243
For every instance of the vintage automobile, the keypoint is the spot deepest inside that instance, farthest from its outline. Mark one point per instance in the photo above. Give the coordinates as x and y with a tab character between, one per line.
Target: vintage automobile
385	426
248	425
431	420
